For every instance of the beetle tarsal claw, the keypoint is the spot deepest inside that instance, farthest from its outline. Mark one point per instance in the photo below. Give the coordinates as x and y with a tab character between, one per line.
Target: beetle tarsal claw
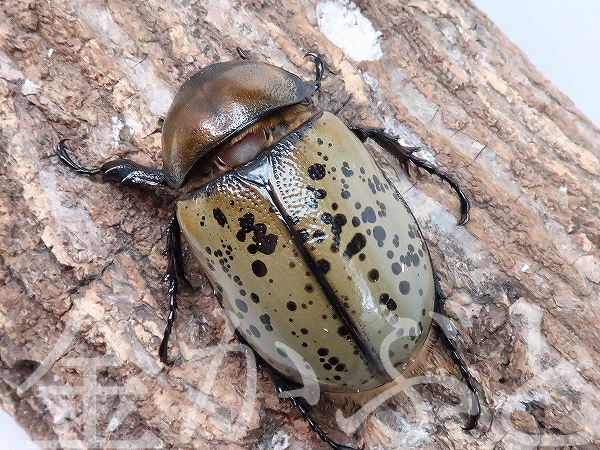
319	68
63	154
242	53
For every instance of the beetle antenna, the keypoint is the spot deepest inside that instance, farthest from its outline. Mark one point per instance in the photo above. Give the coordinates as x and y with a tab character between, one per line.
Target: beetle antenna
319	68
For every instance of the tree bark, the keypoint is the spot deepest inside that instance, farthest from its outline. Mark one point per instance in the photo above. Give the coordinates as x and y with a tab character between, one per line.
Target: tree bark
83	306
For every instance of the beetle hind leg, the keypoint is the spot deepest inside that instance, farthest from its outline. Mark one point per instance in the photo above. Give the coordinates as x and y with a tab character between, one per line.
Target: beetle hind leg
405	154
283	385
448	334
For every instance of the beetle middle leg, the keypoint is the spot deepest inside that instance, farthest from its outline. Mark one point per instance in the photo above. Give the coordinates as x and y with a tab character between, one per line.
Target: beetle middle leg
405	154
129	172
175	274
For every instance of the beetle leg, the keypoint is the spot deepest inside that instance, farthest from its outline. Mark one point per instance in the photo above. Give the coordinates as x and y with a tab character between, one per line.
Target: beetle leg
319	68
448	334
175	273
117	171
282	385
405	154
242	53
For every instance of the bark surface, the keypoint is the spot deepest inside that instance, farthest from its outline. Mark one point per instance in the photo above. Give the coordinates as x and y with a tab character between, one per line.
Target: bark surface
82	304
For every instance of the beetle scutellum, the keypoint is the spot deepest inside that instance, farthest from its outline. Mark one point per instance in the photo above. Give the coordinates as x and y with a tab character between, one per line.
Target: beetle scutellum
301	235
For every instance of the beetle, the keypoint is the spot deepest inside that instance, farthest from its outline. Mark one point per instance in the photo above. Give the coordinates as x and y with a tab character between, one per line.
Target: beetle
304	239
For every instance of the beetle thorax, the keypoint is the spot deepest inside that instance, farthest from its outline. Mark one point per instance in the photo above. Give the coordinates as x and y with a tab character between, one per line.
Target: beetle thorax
244	146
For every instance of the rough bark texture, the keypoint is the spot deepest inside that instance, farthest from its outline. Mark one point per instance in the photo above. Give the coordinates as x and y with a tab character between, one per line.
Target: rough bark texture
81	261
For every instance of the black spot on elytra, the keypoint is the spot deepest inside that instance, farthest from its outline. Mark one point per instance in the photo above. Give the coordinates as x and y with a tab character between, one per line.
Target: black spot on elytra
343	331
389	303
339	220
263	242
254	331
356	244
404	287
220	217
378	184
259	268
320	193
373	275
368	215
323	265
372	186
241	305
379	235
346	170
416	260
317	171
319	236
266	321
336	222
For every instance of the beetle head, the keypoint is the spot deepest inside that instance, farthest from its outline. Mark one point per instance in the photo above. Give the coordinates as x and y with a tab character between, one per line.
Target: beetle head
231	110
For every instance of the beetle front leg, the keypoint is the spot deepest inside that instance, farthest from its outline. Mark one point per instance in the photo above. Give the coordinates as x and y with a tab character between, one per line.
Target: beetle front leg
405	154
116	171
